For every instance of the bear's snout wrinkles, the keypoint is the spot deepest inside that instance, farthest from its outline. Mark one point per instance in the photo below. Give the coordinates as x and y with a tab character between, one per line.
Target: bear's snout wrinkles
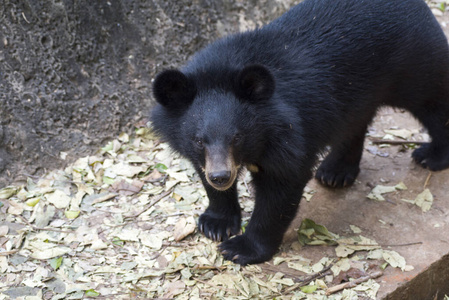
220	169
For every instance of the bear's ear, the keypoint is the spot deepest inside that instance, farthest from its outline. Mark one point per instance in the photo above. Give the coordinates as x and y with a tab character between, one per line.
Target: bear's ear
254	83
173	89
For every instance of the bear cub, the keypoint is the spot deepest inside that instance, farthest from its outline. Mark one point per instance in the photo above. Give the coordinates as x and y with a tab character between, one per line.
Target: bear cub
273	98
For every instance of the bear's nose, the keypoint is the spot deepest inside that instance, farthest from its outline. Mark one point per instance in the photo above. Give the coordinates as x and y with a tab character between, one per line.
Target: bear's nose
220	178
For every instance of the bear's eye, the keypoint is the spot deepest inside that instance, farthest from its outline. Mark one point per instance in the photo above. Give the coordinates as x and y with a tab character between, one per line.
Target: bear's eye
199	143
237	138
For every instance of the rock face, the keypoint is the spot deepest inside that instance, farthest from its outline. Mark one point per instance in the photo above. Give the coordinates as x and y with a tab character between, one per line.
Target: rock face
75	73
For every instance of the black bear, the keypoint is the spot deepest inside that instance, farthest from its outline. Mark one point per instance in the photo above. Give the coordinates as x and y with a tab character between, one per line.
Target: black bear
274	98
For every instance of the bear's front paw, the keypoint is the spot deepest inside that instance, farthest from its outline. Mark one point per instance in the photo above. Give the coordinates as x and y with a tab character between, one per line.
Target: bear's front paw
337	175
219	227
244	250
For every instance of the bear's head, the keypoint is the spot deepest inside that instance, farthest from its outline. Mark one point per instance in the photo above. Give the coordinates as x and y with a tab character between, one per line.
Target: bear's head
216	126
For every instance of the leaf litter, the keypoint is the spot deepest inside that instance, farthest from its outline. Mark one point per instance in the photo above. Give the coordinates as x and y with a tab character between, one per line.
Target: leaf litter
122	224
378	191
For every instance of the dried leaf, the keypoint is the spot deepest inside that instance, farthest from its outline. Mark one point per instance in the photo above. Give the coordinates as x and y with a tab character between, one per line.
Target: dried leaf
300	266
173	289
402	133
183	228
9	191
347	246
125	188
4	230
123	137
15	208
342	265
125	169
128	235
50	253
319	266
98	245
153	240
377	191
43	214
355	229
424	200
102	197
58	198
394	259
178	176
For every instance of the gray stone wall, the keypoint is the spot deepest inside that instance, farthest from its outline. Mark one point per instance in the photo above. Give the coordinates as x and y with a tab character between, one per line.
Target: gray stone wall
74	74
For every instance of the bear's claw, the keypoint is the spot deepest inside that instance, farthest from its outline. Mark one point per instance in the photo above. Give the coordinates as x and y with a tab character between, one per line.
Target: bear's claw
242	250
218	228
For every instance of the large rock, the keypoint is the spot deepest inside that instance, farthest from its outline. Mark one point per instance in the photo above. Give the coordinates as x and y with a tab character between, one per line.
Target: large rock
76	73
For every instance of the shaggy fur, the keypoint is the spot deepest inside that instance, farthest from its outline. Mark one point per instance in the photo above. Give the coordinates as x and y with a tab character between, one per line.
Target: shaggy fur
275	97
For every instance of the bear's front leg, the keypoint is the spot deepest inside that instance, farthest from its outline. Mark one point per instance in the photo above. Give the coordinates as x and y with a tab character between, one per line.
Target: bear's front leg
276	205
222	217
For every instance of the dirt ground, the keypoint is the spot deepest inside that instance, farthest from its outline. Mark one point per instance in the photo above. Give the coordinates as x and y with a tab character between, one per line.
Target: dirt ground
105	226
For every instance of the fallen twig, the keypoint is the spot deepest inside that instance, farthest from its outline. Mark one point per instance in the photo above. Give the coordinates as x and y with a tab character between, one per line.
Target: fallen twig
427	180
221	268
54	179
379	246
353	283
4	253
396	142
303	282
154	202
213	285
319	274
35	228
403	245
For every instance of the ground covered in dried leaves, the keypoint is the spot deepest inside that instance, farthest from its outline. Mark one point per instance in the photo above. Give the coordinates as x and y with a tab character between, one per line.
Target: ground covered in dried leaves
122	225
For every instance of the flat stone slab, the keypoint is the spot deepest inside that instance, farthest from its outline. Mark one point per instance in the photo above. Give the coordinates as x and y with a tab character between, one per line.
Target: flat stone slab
420	237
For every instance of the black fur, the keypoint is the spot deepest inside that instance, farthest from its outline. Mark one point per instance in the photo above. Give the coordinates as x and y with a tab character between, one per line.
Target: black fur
174	90
275	97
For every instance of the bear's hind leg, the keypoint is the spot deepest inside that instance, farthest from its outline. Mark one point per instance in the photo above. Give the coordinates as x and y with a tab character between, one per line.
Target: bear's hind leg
434	155
341	166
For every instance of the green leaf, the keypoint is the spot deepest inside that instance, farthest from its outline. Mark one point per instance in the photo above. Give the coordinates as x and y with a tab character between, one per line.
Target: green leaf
70	214
92	293
310	233
108	180
309	289
33	201
161	167
244	224
117	241
56	262
108	147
